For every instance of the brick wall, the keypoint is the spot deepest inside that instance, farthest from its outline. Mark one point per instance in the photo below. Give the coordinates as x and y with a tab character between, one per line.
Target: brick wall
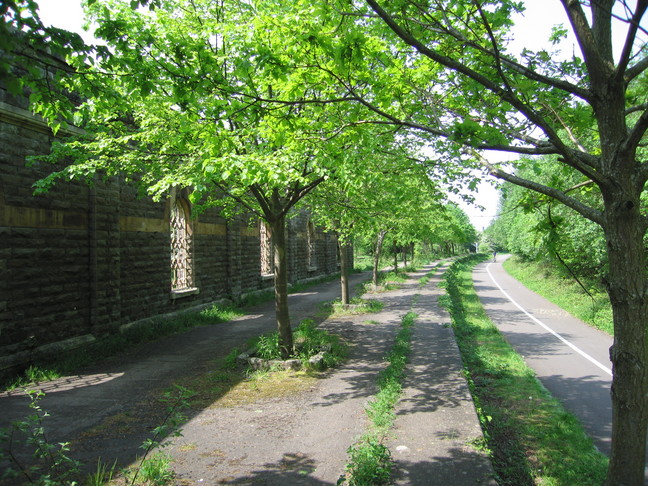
80	262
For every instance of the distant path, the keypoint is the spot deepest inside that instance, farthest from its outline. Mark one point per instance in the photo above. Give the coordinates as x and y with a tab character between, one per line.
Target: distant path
570	358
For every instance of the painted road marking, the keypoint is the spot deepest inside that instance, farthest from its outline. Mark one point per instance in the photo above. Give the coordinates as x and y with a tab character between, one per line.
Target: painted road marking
575	348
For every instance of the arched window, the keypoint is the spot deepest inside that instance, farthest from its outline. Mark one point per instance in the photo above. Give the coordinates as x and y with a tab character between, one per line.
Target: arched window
181	245
267	249
312	246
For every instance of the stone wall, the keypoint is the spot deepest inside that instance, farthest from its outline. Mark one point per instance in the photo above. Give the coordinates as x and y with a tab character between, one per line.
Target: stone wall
83	261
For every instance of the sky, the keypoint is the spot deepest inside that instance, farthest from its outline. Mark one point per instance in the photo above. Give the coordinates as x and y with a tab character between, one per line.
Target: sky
531	31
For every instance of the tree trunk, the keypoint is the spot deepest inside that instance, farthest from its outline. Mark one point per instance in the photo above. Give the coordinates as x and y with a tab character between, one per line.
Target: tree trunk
377	251
395	257
628	290
344	272
278	228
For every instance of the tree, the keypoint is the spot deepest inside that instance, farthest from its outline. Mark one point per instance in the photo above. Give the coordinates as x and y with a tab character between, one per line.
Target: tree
449	77
32	59
389	192
536	227
177	99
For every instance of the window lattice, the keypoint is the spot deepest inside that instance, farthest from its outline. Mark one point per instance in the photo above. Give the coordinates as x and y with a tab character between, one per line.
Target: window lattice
267	250
312	257
181	241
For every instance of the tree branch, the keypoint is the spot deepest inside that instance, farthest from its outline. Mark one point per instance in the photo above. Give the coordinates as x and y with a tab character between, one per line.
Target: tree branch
586	39
637	133
635	70
626	54
586	211
522	107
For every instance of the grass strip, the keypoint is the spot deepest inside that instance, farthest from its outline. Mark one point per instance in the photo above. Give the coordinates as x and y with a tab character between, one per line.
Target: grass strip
531	438
369	459
565	292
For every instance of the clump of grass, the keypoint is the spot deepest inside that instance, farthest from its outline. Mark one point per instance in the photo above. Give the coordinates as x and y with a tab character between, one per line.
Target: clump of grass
565	292
102	475
532	439
357	305
155	470
369	463
309	340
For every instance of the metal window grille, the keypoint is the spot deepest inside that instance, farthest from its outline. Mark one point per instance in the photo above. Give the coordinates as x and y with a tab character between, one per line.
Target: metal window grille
312	258
181	242
267	250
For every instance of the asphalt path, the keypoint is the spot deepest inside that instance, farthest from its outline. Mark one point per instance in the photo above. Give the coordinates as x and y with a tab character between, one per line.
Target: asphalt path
570	358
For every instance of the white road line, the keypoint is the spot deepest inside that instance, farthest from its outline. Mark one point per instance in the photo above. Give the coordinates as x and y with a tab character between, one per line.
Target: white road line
575	348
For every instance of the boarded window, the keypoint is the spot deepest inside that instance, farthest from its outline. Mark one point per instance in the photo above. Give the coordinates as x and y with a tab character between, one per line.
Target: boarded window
267	249
181	246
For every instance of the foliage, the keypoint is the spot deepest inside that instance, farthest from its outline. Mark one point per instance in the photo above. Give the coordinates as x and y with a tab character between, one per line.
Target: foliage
52	464
33	60
263	101
154	465
267	346
155	470
102	475
562	290
536	228
309	341
369	463
530	436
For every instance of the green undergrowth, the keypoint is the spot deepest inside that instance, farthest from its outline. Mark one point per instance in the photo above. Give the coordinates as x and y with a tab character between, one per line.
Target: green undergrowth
565	292
531	438
357	305
309	340
369	459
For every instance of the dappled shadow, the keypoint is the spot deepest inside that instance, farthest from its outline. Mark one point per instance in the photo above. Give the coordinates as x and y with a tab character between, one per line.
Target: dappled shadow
292	469
461	466
359	372
110	408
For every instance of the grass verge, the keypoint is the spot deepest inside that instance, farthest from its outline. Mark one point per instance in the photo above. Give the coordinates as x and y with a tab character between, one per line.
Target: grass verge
369	459
531	438
565	292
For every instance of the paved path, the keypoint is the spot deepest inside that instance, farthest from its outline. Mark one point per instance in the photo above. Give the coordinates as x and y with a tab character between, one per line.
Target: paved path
436	419
570	358
299	439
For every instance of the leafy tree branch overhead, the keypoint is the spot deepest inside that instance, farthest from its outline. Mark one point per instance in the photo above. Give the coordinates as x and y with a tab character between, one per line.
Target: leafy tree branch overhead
265	101
459	87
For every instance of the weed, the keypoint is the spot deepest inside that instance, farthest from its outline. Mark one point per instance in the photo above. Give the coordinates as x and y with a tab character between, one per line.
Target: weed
267	346
372	322
52	464
102	475
156	468
309	341
357	306
370	464
230	361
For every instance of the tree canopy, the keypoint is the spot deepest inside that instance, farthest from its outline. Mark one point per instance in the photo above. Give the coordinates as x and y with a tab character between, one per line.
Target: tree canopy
265	100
